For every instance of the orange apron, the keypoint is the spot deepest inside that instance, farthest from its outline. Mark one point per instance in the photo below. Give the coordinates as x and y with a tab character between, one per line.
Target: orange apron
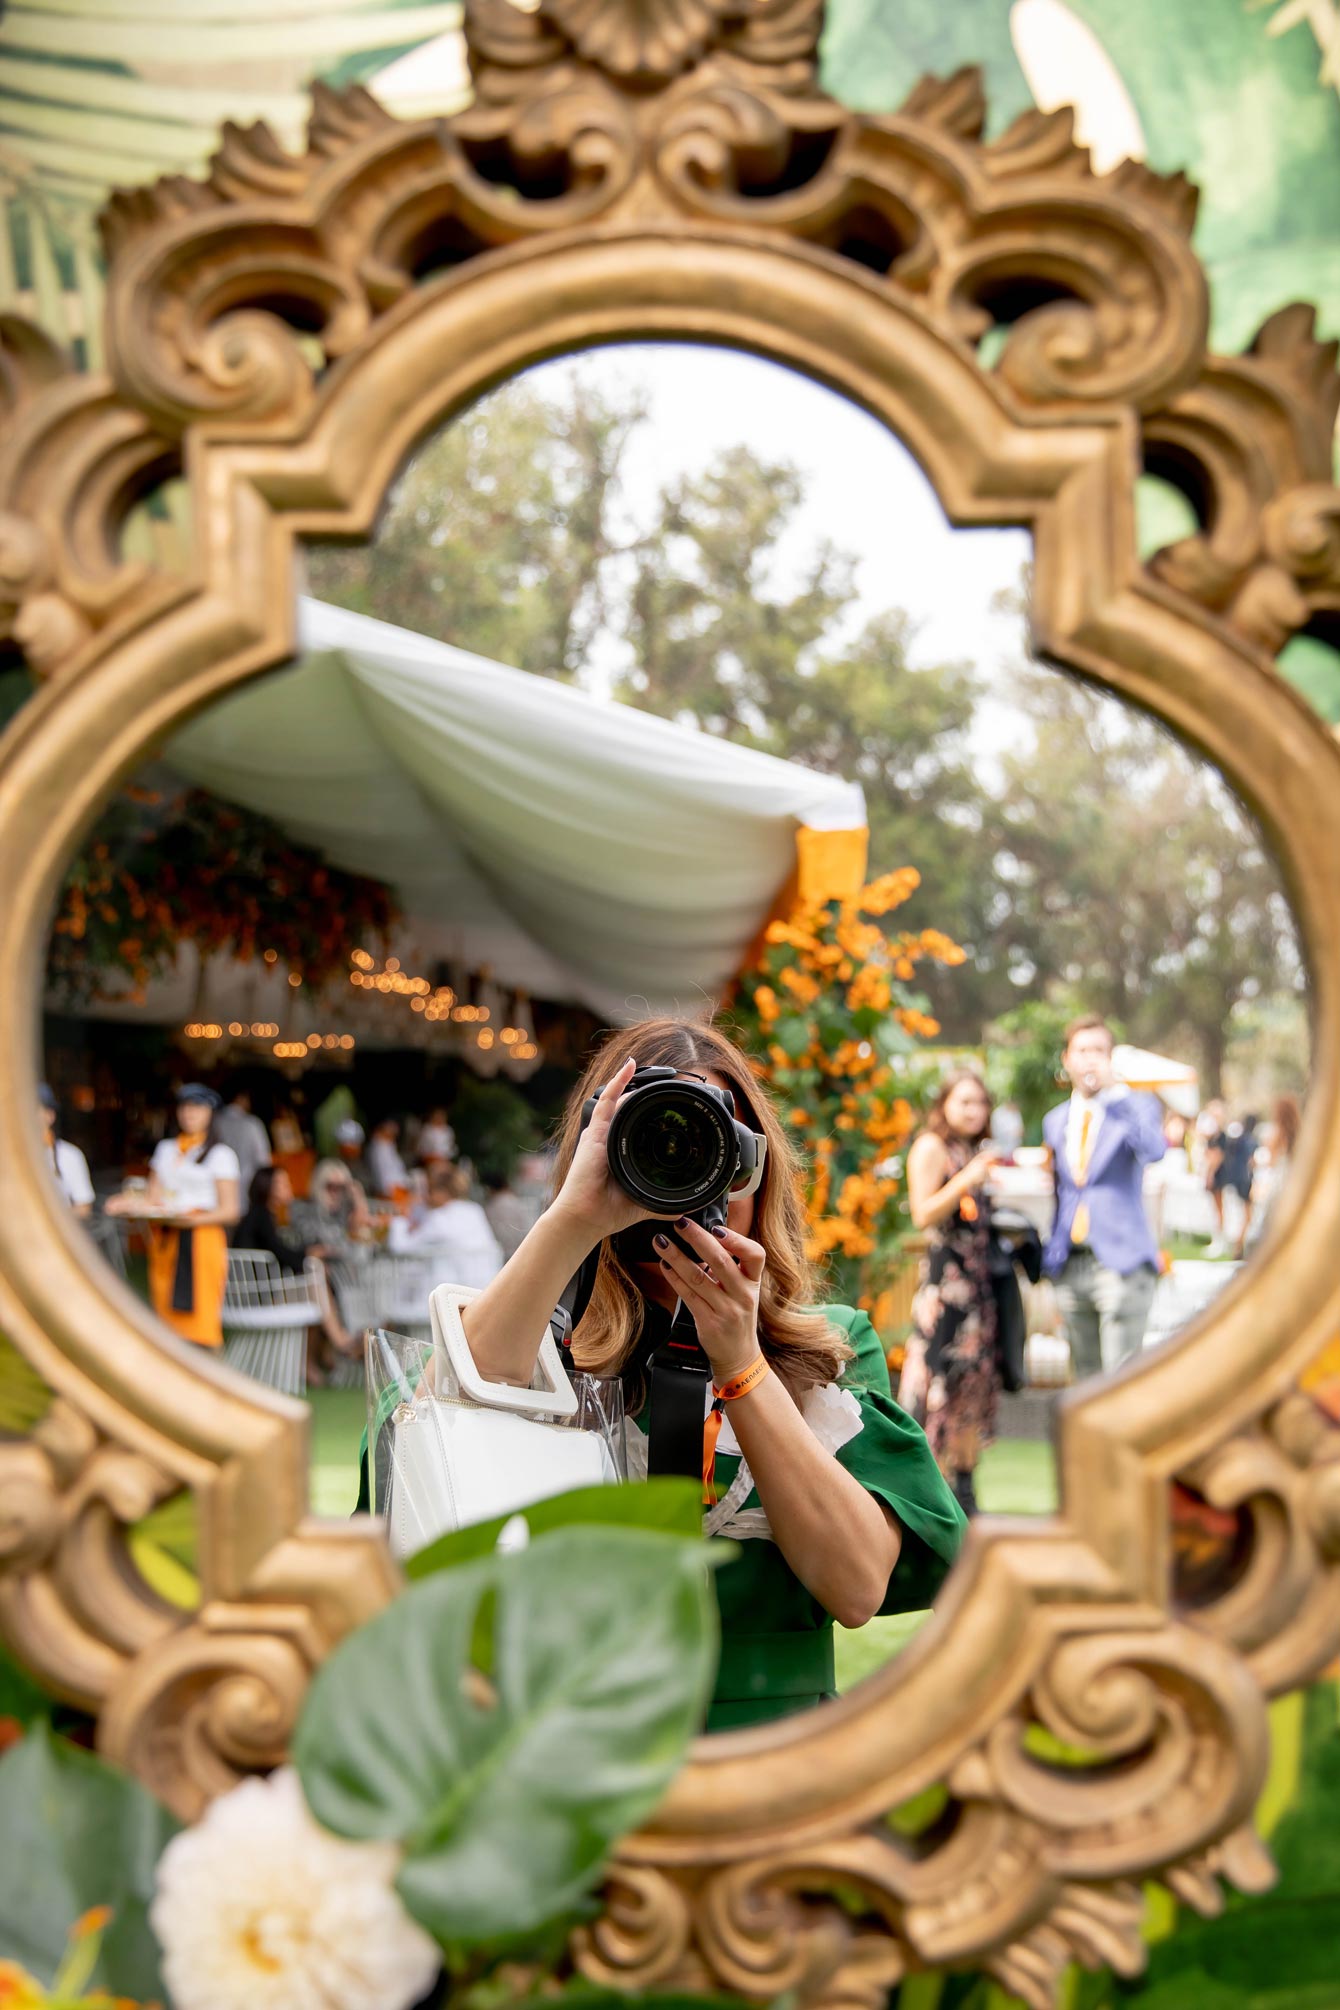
188	1274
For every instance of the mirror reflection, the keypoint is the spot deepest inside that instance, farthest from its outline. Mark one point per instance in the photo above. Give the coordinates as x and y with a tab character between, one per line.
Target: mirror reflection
665	699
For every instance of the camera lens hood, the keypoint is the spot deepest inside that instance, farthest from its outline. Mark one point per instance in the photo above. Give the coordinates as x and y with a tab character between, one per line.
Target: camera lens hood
673	1146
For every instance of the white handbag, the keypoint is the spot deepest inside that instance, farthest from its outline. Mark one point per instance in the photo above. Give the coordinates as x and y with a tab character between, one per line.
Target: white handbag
467	1450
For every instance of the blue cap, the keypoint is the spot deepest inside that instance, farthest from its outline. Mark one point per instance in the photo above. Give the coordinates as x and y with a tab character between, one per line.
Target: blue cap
196	1092
46	1096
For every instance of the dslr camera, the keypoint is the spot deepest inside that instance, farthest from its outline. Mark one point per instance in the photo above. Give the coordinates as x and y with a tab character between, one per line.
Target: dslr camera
677	1147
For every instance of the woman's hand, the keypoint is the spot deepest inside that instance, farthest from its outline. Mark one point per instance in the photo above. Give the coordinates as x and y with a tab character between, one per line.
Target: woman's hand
720	1289
590	1197
979	1168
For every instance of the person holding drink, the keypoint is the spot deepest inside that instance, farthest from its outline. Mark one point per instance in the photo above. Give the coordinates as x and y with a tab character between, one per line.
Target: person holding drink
951	1371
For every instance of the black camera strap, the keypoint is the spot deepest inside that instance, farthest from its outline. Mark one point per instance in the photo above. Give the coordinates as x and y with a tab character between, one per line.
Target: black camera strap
678	1371
566	1315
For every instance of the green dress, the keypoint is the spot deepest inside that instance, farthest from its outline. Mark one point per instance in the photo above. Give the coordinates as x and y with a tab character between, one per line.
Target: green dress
776	1638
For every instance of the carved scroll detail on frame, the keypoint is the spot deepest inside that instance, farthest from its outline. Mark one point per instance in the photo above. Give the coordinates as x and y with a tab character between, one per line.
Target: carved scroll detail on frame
1283	1612
1034	1862
71	1600
284	330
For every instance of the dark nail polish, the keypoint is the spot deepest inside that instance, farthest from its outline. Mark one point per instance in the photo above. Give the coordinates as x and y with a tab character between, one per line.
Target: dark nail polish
720	1234
661	1241
683	1221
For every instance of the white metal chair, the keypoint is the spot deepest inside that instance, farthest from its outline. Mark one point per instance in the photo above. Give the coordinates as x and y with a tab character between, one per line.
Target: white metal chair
401	1286
355	1291
266	1316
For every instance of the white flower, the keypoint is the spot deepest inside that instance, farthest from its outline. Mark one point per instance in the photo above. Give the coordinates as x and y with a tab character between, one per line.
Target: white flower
259	1908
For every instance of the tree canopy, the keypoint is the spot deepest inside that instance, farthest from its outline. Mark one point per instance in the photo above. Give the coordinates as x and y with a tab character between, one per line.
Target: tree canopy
1090	860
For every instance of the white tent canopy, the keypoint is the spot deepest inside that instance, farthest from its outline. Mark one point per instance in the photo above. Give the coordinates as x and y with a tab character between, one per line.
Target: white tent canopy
584	851
1176	1081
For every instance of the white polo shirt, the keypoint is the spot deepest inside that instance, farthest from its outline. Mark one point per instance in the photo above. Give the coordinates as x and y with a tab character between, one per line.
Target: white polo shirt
190	1181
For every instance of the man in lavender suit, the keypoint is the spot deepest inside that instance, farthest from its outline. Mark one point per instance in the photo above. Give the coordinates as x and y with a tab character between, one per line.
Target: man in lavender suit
1101	1250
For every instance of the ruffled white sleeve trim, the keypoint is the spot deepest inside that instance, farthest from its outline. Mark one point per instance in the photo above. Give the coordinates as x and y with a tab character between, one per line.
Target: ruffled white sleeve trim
833	1414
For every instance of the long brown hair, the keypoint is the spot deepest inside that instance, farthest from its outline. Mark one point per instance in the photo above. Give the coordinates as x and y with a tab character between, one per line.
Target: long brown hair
937	1123
797	1341
1286	1118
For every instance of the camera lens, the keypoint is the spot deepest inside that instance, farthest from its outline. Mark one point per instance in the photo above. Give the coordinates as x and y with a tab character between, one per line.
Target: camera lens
673	1148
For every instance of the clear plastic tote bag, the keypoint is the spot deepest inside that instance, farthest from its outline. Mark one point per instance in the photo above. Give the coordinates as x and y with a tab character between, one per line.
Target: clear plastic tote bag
447	1448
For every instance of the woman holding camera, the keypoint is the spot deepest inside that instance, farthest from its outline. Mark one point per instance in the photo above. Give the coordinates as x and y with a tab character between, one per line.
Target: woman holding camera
827	1486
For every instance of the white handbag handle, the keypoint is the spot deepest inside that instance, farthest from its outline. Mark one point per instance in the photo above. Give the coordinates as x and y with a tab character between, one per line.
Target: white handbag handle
555	1397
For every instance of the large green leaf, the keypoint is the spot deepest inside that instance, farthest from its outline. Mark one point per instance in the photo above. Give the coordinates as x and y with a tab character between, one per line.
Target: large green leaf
672	1505
75	1833
602	1656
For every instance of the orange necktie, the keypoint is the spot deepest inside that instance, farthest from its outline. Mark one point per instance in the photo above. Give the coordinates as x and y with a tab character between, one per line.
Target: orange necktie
1079	1227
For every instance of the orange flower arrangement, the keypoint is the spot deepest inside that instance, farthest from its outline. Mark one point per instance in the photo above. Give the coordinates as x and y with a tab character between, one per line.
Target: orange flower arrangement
828	1016
169	868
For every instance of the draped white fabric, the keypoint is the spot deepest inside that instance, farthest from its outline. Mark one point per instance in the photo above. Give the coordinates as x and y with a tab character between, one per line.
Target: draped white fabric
586	851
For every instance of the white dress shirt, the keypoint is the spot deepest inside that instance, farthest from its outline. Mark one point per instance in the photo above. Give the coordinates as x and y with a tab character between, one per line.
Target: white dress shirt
457	1239
1096	1107
72	1174
386	1166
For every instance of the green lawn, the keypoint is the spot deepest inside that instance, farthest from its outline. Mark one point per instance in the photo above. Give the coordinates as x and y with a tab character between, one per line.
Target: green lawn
338	1417
1017	1477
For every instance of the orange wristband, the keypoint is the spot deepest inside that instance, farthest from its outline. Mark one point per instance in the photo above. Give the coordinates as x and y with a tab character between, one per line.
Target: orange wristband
747	1379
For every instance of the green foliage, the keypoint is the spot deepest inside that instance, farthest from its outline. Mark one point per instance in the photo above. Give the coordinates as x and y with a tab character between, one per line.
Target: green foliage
165	867
602	1647
494	1124
22	1700
1276	1951
16	688
24	1396
1138	885
672	1506
499	534
1024	1059
75	1834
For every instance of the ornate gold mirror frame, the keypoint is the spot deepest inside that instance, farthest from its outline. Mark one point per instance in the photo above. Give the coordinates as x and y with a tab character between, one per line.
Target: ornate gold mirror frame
284	332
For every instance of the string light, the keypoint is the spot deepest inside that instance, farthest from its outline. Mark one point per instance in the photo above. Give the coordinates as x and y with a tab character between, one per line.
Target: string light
513	1042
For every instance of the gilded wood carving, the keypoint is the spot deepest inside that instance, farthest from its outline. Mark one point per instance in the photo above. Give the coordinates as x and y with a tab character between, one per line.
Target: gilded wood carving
282	333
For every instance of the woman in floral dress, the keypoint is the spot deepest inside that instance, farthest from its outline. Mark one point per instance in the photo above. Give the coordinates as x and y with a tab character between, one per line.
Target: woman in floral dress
951	1375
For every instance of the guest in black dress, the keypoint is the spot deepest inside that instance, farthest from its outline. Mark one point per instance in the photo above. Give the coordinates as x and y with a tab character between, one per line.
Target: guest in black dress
265	1227
951	1373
